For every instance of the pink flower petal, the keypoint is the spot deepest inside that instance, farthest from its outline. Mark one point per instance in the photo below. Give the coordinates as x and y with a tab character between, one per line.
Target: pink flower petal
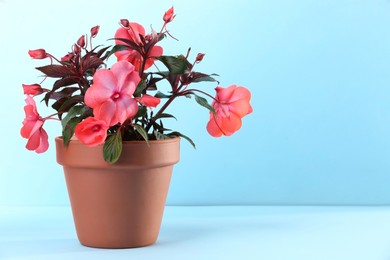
30	127
240	107
107	112
231	124
44	142
155	52
135	29
212	127
126	77
91	131
126	108
224	94
34	141
240	93
104	86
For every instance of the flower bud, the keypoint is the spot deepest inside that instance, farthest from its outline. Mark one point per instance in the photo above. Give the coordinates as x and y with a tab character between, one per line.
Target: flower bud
37	54
148	100
34	89
199	57
81	41
169	15
125	23
76	49
67	57
94	31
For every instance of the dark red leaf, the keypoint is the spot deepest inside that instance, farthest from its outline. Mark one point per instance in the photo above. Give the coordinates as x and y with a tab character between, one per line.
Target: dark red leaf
64	104
67	81
56	71
101	51
131	44
66	92
92	62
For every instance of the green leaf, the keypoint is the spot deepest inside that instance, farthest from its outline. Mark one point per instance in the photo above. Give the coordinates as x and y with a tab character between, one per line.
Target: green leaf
74	111
163	115
184	136
140	88
203	102
161	95
130	43
117	48
68	129
112	148
160	136
142	132
175	64
201	77
141	111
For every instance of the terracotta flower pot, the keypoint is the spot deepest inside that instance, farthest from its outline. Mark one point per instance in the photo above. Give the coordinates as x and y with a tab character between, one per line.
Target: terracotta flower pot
119	205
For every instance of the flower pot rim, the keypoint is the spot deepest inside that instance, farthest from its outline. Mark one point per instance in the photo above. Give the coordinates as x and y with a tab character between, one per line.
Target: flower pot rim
170	140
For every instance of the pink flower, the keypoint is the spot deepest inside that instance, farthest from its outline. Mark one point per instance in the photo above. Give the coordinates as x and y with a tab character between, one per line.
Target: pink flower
38	54
94	31
110	96
148	100
91	131
231	104
169	15
132	33
32	128
34	89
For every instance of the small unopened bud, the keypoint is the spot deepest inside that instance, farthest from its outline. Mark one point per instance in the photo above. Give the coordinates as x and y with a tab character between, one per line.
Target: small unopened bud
125	23
67	57
169	15
199	57
94	31
76	49
34	89
81	41
37	54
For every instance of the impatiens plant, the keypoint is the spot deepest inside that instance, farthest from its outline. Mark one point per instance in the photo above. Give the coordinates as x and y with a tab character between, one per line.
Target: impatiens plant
102	105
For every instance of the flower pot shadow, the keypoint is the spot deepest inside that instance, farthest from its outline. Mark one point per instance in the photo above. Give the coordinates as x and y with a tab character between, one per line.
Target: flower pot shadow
174	234
38	248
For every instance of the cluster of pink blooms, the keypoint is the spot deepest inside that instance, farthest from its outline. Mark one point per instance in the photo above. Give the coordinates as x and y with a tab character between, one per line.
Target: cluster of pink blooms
111	95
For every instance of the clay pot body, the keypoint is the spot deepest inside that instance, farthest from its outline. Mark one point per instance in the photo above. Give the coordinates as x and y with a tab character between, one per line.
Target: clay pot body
119	205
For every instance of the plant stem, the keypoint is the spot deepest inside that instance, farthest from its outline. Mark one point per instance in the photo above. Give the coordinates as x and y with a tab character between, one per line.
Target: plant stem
162	109
188	91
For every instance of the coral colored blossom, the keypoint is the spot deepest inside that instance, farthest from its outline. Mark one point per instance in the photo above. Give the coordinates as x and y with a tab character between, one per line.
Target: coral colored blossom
34	89
132	33
38	54
32	128
169	15
148	100
231	104
110	96
91	131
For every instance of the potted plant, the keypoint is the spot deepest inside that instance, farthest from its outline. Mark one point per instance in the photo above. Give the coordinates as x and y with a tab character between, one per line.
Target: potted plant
116	152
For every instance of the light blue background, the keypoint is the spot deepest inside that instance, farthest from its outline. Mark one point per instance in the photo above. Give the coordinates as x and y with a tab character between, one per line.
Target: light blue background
319	76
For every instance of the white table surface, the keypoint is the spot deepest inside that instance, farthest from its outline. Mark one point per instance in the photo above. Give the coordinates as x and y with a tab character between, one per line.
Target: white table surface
221	232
